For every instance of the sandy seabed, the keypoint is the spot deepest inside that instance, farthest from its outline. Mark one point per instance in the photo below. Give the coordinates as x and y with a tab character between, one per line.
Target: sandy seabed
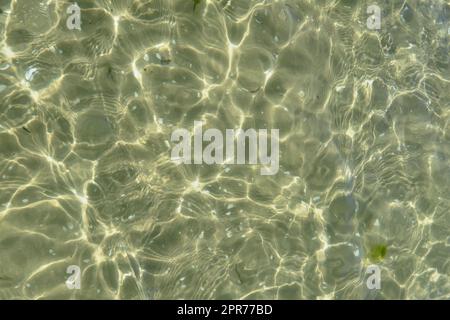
86	177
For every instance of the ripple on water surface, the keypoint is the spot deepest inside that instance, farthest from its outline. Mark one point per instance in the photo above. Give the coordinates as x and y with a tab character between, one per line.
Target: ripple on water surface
85	171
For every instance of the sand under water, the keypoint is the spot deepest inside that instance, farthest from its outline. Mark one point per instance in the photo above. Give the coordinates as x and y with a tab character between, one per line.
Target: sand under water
86	177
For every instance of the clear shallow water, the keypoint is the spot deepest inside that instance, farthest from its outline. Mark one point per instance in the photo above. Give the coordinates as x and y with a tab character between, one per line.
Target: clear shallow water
85	171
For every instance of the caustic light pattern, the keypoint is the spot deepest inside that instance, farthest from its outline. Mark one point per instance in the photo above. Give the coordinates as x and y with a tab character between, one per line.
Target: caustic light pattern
356	200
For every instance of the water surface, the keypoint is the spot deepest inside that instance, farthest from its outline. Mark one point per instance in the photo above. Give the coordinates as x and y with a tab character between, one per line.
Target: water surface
85	171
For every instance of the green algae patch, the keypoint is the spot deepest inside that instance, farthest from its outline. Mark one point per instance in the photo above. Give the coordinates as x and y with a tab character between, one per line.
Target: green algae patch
378	252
